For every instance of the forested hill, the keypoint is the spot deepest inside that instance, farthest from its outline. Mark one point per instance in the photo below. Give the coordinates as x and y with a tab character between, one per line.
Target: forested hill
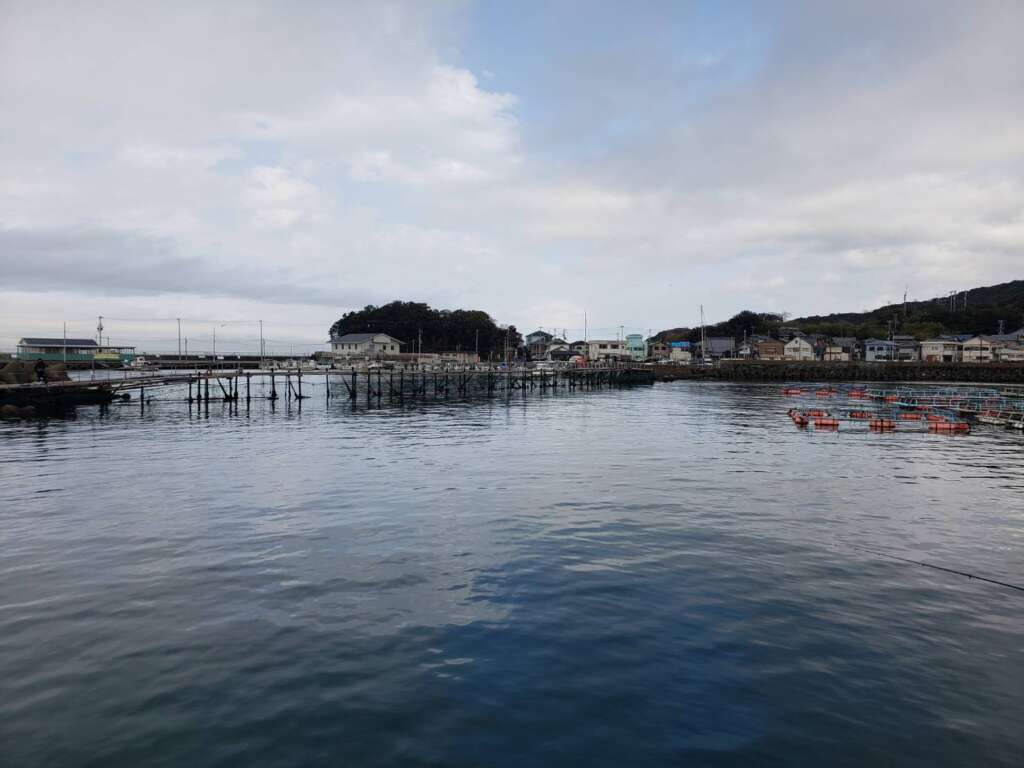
442	329
978	310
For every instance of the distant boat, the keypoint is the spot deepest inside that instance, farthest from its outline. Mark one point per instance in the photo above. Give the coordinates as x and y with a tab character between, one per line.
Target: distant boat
142	364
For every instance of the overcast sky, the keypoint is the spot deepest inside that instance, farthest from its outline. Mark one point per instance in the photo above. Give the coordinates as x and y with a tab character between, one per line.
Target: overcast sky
228	162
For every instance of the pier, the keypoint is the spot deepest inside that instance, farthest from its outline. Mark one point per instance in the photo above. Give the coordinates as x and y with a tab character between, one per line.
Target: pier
370	385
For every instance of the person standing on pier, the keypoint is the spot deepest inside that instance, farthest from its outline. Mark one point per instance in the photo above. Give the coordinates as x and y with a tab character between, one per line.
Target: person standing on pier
40	368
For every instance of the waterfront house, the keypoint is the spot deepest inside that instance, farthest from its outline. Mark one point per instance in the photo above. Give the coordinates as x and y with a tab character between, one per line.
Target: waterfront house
537	343
799	348
636	347
941	351
679	352
906	348
771	349
977	350
606	349
578	348
559	350
718	347
878	350
1008	352
848	344
659	350
835	353
72	351
365	345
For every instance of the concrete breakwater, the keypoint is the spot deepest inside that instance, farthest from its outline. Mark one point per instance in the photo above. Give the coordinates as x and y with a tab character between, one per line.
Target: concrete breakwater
785	370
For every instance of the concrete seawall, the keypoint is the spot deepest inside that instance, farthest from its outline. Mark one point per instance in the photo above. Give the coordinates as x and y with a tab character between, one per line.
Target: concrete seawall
770	370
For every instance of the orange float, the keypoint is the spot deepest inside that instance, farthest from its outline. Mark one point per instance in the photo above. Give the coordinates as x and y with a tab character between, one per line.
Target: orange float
949	426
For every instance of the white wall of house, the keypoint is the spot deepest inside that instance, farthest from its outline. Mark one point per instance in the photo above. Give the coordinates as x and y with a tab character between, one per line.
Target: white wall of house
978	350
941	351
876	351
799	349
1009	353
379	344
906	353
681	356
602	349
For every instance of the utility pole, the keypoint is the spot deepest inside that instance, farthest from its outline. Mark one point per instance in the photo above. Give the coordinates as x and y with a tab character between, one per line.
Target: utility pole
65	343
419	342
261	345
215	342
703	337
99	330
179	339
477	349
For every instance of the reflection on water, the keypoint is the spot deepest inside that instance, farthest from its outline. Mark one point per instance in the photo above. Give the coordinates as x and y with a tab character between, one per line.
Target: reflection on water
647	576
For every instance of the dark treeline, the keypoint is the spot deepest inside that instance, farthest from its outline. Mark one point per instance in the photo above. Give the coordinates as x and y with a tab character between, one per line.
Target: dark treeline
977	311
443	330
746	322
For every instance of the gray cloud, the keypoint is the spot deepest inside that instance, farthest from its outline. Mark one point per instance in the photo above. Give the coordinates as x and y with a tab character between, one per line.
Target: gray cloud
631	163
102	262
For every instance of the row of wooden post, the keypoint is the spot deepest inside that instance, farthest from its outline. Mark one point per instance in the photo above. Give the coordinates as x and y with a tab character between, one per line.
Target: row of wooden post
437	384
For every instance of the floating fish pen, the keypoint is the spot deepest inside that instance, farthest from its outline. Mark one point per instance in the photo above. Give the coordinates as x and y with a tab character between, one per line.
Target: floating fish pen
944	410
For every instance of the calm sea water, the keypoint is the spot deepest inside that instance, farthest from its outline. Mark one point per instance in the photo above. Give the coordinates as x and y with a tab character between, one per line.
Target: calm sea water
662	575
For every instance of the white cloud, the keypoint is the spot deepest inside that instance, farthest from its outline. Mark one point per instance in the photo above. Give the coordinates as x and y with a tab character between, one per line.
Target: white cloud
345	154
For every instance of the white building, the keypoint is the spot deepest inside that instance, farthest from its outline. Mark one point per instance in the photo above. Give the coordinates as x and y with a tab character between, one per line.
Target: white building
605	349
1009	353
879	350
978	350
365	345
799	348
680	355
941	351
836	354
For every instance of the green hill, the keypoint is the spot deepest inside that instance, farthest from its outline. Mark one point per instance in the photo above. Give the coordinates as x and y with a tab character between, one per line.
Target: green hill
978	310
